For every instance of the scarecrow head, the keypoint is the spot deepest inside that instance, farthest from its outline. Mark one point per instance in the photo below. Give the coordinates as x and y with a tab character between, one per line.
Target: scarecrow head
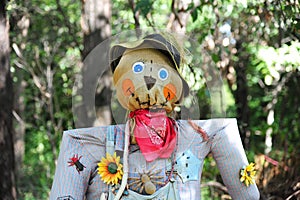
145	74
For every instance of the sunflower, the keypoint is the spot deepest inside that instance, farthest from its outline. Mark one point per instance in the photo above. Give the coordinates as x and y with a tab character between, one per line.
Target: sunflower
110	169
248	174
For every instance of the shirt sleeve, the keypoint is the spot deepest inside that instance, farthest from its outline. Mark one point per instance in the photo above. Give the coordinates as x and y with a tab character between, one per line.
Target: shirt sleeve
88	146
228	151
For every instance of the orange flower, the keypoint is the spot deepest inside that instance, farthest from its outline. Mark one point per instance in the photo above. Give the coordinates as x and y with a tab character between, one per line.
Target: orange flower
110	169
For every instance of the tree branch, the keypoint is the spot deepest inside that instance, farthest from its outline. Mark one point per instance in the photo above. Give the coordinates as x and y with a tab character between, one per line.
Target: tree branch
216	185
136	16
277	90
295	194
175	13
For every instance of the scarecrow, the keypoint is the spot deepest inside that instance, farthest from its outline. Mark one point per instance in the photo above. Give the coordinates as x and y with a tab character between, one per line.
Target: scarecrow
152	155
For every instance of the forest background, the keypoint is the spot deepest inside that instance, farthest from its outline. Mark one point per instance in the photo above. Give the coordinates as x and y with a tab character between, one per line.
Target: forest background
253	44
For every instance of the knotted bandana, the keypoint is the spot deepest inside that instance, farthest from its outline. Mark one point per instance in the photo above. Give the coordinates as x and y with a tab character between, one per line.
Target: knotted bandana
154	132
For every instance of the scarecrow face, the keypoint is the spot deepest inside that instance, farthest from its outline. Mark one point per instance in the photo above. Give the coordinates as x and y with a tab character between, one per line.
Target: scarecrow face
145	78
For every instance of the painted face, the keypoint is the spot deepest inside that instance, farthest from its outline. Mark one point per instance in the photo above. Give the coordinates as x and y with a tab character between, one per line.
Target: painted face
145	78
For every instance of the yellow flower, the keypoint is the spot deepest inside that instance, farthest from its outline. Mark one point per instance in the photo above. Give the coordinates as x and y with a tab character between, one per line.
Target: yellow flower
248	174
110	169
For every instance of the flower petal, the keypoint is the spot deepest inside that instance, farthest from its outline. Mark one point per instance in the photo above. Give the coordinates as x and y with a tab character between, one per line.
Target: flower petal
105	174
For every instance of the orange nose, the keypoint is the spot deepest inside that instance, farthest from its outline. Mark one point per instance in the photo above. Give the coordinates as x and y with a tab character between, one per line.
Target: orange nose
128	87
169	91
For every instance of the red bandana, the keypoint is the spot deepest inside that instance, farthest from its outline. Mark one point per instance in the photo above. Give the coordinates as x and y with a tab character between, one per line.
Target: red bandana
154	133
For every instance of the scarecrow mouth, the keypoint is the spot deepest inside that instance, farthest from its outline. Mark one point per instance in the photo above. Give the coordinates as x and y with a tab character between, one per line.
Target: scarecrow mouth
154	106
150	82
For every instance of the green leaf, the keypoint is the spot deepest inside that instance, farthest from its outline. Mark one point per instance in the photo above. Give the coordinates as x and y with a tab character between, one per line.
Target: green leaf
194	15
145	6
215	57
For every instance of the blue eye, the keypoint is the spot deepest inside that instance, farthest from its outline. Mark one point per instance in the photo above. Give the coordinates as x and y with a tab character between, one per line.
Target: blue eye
163	74
138	67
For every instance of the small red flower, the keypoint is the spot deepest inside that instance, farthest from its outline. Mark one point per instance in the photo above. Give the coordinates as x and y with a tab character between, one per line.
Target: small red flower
75	160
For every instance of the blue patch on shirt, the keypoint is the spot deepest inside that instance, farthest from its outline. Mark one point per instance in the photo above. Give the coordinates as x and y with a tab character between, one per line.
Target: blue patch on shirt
187	166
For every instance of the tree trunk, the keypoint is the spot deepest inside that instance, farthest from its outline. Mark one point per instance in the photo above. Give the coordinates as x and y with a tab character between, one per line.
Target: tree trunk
18	122
241	93
95	107
180	15
7	176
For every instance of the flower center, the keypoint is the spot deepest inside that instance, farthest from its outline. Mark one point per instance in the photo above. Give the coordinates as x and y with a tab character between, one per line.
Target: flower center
112	168
248	173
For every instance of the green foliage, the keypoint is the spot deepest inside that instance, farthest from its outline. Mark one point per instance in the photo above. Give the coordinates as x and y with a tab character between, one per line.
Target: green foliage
38	158
144	6
273	77
46	57
47	39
